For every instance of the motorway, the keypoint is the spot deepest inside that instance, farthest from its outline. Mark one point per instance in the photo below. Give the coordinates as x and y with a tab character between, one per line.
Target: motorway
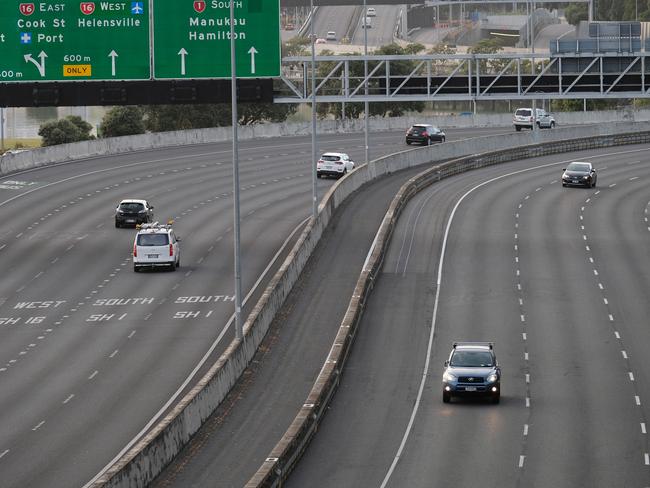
559	279
337	19
92	353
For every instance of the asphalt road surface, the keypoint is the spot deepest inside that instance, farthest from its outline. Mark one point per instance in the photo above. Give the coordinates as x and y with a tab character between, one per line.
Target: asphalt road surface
92	353
559	279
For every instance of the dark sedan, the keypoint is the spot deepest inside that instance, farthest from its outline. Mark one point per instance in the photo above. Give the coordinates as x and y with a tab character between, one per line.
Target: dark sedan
579	174
424	134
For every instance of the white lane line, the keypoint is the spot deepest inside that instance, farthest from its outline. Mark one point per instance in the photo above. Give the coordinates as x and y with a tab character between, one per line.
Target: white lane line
591	260
637	400
521	461
2	247
41	273
600	285
647	459
39	425
611	318
114	353
527	402
631	375
131	334
617	335
527	378
605	301
523	334
522	317
624	354
70	397
525	430
525	356
643	431
19	235
634	178
587	248
3	454
95	373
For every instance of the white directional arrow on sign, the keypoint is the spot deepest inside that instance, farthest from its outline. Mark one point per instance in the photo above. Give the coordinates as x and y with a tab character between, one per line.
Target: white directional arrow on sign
183	53
252	51
113	55
41	65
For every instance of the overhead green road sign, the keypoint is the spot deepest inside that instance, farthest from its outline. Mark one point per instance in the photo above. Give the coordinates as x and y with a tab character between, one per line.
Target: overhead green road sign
74	40
192	38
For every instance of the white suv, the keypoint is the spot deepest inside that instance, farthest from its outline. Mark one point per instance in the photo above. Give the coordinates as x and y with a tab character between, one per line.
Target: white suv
155	246
334	164
523	118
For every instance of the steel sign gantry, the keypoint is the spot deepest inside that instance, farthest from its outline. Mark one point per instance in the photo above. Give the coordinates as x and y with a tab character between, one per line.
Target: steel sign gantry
503	76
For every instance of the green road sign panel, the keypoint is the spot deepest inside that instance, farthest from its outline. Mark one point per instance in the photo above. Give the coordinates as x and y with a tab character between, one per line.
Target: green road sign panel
192	38
64	40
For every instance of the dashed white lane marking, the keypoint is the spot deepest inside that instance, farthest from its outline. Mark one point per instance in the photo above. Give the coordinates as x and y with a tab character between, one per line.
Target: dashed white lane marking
605	301
521	461
637	399
114	353
131	334
643	431
2	247
19	235
39	425
4	453
611	318
527	402
525	430
525	356
647	459
600	285
624	354
523	334
634	178
95	373
70	397
631	375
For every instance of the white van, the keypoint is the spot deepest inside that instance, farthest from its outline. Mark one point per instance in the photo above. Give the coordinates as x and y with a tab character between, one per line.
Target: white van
366	22
155	246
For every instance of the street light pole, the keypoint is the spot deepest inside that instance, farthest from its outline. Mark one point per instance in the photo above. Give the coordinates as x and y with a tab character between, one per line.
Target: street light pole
239	328
365	76
313	112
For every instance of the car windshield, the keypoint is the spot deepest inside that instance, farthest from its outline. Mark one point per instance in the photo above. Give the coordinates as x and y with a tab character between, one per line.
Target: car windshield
419	128
581	167
153	240
131	207
329	157
524	112
471	359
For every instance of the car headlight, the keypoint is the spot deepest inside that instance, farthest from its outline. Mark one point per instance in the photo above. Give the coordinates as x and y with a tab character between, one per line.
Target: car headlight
448	377
585	177
492	378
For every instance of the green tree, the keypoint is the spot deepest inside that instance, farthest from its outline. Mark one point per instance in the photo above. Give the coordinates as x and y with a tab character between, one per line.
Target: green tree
69	129
122	121
576	12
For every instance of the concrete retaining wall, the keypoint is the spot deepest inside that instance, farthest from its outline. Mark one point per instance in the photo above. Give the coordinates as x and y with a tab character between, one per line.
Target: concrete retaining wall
145	460
11	163
283	457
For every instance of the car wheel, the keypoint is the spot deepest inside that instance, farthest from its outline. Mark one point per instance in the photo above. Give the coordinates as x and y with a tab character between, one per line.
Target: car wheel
178	263
552	125
408	143
518	128
136	269
446	397
172	267
442	140
117	224
428	143
496	398
563	185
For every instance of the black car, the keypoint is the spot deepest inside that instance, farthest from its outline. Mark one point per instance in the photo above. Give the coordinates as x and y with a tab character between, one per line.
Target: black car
132	212
579	174
424	134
